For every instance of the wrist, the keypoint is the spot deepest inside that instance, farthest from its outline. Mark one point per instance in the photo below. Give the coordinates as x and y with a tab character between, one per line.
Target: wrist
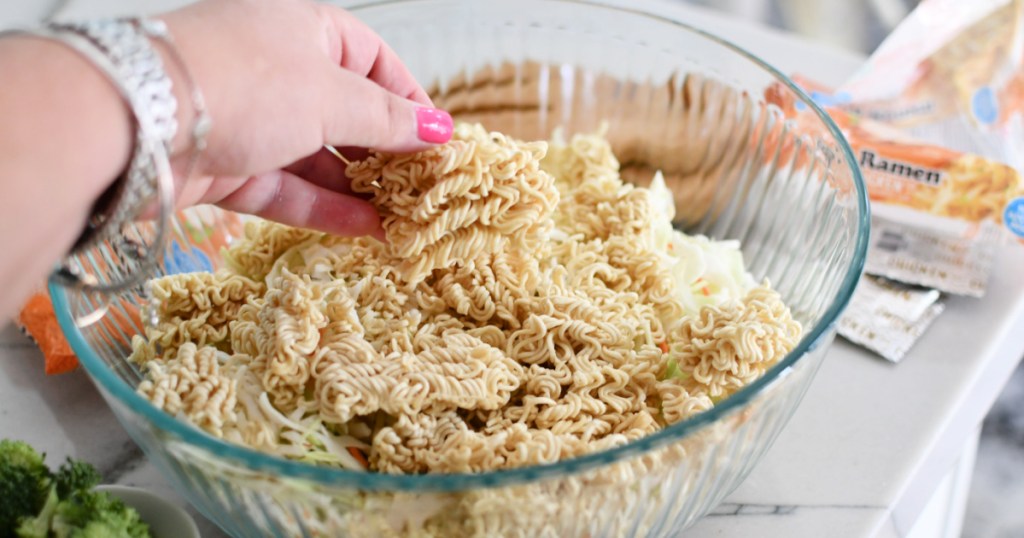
65	105
67	135
120	50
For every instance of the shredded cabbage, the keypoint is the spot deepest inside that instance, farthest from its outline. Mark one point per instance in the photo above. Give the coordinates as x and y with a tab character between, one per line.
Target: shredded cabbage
707	272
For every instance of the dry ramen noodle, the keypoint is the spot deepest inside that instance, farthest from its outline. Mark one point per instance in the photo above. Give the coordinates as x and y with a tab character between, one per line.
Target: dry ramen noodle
529	306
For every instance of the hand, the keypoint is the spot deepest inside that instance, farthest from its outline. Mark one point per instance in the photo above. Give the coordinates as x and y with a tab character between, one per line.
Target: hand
281	78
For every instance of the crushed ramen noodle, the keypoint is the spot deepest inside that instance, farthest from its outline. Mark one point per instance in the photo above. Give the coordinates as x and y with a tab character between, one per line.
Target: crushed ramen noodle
528	306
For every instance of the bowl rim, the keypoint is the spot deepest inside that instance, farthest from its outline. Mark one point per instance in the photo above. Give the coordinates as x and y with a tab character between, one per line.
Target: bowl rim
144	500
252	460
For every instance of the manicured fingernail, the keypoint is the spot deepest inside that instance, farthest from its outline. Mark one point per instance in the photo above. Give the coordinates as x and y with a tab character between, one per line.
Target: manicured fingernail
433	125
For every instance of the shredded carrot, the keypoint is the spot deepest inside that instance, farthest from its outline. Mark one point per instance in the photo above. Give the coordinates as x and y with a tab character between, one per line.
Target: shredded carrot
358	455
663	346
705	291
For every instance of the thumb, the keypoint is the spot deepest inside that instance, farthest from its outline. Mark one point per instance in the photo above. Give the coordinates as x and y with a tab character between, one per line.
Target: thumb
362	114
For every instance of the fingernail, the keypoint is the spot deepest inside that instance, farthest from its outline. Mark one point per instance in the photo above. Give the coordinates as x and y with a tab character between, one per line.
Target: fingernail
379	235
433	125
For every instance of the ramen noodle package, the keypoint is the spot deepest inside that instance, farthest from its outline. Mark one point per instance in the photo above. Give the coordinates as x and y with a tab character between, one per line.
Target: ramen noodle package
951	77
951	74
934	118
888	317
938	215
938	220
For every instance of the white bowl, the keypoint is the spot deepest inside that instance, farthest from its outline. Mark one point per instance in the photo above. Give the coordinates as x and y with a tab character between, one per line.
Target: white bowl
165	519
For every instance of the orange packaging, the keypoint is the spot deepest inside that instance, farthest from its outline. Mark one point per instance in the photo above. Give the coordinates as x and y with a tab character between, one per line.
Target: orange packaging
939	215
902	170
38	320
928	178
951	74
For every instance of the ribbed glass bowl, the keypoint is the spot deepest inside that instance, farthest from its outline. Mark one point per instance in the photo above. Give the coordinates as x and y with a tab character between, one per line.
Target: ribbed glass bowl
672	98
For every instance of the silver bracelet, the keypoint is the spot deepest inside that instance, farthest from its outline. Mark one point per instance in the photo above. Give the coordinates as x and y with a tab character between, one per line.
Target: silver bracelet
202	123
139	69
122	53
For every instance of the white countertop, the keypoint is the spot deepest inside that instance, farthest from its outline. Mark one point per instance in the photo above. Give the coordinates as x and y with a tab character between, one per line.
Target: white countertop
863	453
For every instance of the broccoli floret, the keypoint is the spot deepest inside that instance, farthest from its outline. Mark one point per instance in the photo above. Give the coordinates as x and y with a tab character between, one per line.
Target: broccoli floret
93	514
37	504
39	526
21	454
75	475
24	484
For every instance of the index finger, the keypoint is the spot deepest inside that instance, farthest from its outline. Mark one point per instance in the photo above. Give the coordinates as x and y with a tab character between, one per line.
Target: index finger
364	52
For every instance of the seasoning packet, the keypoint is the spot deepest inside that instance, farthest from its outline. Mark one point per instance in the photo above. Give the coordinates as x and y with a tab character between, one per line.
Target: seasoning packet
887	317
956	263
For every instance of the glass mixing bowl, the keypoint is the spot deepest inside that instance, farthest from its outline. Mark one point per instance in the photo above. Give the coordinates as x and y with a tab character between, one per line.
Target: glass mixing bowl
672	98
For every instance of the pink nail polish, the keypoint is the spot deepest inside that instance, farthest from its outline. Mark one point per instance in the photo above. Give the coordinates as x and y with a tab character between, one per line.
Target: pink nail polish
433	125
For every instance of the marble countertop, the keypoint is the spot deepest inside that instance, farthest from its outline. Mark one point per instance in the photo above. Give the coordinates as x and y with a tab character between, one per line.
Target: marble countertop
862	455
